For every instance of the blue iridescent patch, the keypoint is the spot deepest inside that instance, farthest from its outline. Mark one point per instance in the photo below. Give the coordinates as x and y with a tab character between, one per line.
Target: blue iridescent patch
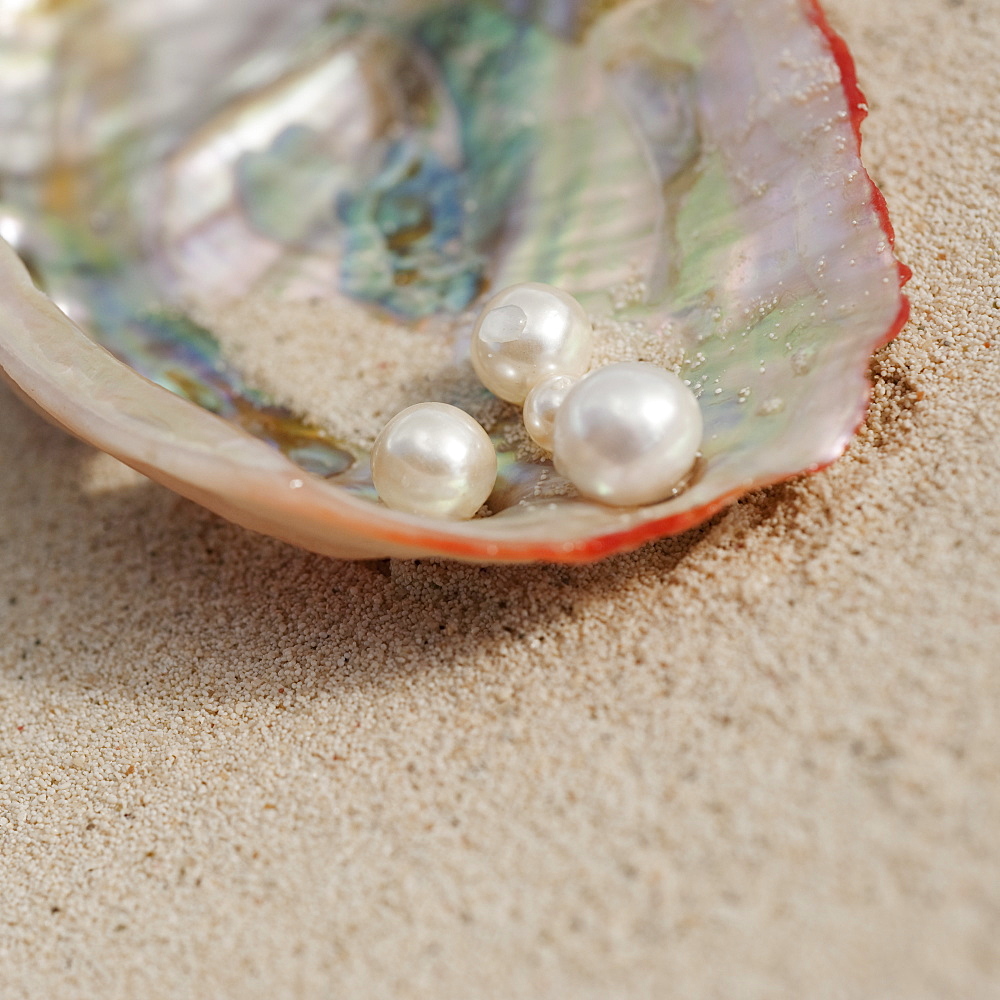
407	247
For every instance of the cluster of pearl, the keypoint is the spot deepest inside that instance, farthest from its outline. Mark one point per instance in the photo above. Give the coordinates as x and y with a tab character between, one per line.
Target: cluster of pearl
625	434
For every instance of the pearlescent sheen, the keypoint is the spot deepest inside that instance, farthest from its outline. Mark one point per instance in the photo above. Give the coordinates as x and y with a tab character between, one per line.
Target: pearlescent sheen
434	459
527	332
541	406
627	434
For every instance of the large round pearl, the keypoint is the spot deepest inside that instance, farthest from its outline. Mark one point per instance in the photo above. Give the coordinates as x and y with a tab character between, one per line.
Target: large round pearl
525	333
627	434
434	459
541	406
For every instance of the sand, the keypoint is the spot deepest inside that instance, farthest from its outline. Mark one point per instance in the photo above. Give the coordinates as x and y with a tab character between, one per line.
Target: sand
384	365
761	760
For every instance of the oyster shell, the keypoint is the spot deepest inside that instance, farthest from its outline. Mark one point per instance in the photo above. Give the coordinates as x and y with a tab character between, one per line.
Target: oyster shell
689	169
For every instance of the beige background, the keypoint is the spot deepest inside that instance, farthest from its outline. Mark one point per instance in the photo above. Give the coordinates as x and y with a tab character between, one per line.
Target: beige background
758	761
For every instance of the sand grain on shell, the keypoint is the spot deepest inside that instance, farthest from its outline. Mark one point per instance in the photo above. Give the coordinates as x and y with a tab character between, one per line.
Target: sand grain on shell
343	367
340	365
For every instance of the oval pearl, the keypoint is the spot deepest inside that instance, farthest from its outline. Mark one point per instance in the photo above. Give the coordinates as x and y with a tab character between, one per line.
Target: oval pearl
541	406
627	434
434	459
525	333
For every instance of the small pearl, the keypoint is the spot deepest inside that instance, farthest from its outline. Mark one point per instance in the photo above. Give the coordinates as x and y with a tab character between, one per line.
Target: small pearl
434	459
627	434
541	405
525	333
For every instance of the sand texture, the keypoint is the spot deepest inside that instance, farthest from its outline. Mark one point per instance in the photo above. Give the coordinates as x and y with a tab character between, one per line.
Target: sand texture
757	762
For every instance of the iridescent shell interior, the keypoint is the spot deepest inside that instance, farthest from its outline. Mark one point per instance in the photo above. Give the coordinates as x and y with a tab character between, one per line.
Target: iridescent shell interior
689	169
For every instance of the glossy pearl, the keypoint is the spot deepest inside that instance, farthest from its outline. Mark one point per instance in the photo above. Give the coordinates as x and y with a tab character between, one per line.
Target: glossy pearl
525	333
541	406
434	459
627	434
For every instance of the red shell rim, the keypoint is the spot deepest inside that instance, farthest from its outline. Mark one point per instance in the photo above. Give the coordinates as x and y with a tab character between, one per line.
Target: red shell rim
601	546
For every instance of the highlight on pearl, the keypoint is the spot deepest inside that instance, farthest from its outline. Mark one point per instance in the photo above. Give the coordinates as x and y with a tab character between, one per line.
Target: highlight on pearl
434	459
525	333
627	434
541	406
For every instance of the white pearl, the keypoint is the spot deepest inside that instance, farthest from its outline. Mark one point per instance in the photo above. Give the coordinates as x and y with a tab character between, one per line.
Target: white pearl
541	406
434	459
627	434
525	333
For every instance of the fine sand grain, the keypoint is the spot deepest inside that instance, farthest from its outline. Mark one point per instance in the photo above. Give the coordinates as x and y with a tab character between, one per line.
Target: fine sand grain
352	381
761	760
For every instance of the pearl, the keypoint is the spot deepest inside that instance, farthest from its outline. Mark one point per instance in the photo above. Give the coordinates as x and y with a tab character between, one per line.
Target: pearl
541	406
526	332
434	459
627	434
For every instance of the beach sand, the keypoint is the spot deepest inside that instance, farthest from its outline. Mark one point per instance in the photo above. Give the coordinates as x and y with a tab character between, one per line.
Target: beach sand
760	760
